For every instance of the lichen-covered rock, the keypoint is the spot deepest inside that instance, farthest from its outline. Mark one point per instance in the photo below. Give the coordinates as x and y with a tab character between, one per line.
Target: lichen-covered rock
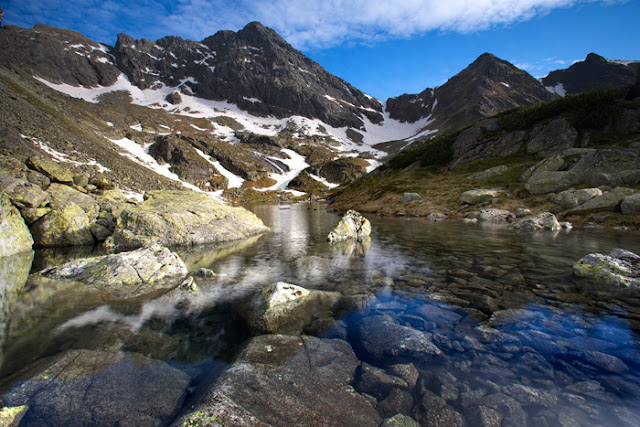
494	215
620	267
287	309
352	226
52	170
14	234
294	380
630	204
84	387
11	416
543	221
473	197
400	420
182	218
69	226
126	274
410	197
607	202
63	196
24	194
569	199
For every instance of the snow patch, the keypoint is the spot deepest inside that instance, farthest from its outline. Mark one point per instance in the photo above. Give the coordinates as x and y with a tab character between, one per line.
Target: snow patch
557	89
63	158
324	181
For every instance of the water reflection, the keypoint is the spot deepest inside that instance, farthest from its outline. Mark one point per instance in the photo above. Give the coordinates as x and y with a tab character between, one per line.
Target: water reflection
450	321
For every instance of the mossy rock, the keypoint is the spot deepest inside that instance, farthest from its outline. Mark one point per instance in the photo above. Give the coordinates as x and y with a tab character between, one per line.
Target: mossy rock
69	226
52	170
14	234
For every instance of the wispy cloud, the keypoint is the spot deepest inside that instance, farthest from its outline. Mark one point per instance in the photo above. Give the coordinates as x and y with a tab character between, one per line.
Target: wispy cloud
305	24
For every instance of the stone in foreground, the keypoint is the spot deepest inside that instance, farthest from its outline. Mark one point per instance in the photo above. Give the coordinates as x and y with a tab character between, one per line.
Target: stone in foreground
287	380
84	387
127	274
183	218
352	226
14	234
620	267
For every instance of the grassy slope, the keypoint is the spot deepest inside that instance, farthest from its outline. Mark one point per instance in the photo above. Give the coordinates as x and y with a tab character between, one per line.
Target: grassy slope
422	169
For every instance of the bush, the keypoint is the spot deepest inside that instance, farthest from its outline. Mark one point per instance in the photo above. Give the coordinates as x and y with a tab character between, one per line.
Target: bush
434	152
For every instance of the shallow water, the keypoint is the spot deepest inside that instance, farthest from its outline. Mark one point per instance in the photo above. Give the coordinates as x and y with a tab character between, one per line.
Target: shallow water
522	341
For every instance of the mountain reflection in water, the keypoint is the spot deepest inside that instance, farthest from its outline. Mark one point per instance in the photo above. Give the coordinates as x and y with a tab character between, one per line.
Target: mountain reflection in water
492	322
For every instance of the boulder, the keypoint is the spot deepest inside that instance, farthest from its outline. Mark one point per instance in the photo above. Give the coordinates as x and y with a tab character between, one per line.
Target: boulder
24	194
550	181
287	380
570	199
630	204
69	226
127	274
352	226
383	339
51	169
543	221
400	420
287	309
83	387
410	197
14	234
63	196
490	173
343	170
473	197
607	202
494	215
620	267
182	218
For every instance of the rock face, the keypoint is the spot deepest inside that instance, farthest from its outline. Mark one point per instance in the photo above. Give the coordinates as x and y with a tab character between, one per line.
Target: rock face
126	274
183	218
352	226
620	267
83	386
14	234
543	221
294	380
284	308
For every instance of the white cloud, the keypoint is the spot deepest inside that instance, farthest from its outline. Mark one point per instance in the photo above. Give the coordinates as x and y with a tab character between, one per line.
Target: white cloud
320	24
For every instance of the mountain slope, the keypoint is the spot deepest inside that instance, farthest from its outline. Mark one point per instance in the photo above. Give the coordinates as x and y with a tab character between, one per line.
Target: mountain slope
595	72
486	87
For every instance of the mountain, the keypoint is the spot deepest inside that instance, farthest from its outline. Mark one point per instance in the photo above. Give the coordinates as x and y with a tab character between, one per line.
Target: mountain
487	86
595	72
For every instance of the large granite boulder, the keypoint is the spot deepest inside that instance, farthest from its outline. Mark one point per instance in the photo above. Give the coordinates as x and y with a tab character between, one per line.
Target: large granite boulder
620	267
352	226
569	199
606	202
14	234
126	274
543	221
284	308
182	218
630	204
23	194
63	196
84	387
69	226
287	380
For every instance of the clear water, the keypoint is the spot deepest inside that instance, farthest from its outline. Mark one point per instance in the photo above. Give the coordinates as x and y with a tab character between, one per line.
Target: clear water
517	331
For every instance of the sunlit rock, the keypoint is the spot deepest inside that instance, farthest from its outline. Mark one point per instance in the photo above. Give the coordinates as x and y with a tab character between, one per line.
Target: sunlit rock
352	226
542	221
14	234
620	267
126	274
473	197
69	226
287	309
183	218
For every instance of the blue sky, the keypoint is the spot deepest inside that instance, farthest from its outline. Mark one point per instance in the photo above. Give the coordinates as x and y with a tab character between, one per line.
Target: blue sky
385	48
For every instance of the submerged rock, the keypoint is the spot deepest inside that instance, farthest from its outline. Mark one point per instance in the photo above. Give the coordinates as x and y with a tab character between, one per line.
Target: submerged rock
287	309
127	274
14	234
84	387
287	380
182	218
543	221
352	226
620	267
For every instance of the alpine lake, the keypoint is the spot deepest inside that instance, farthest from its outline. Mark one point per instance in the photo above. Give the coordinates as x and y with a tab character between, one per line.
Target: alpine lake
450	324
